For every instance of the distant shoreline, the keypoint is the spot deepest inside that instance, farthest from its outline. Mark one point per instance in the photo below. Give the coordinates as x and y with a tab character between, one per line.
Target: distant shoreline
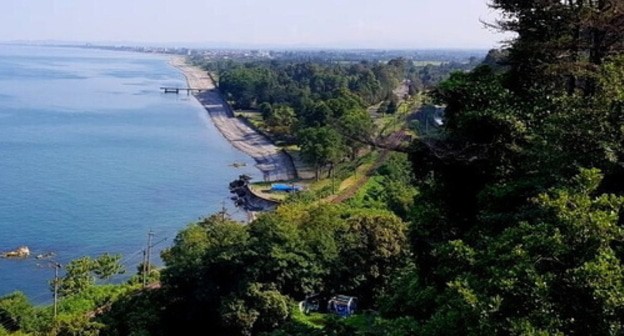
274	164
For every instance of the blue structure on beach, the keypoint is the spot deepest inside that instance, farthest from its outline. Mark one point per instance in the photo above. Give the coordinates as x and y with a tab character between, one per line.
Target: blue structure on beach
285	187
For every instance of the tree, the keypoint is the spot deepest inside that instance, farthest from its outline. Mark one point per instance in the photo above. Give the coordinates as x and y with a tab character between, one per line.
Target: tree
143	314
357	127
205	265
106	266
393	105
512	135
280	257
266	110
81	273
560	43
555	272
16	312
238	319
282	120
258	310
80	325
366	86
316	115
77	277
372	245
321	147
247	85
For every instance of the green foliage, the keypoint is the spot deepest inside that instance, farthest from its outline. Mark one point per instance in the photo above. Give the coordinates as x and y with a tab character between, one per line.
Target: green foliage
242	279
296	97
514	205
106	266
75	313
93	298
560	44
80	274
357	127
557	274
16	312
293	84
321	147
373	245
504	242
77	277
78	325
391	188
135	315
246	85
281	119
258	310
612	79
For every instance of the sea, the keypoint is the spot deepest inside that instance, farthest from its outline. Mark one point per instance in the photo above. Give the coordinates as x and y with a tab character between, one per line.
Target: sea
93	157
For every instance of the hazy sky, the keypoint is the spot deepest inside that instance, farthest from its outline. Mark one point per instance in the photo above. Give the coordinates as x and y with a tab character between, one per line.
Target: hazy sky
319	23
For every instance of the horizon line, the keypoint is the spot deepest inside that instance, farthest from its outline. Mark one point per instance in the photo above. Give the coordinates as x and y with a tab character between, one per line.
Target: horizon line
242	46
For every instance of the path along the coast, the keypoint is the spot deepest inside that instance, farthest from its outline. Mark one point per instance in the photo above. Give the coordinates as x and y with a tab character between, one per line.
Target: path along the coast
270	159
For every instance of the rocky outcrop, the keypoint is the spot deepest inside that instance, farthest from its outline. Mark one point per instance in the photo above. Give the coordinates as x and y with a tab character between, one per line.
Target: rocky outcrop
20	252
246	199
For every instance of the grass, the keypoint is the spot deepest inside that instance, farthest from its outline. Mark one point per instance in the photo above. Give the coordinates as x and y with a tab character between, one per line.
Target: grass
351	174
346	175
391	123
253	117
361	322
373	182
264	189
353	179
314	320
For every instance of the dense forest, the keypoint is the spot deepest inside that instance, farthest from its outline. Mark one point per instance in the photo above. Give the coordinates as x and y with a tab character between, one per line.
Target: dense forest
322	108
505	221
326	108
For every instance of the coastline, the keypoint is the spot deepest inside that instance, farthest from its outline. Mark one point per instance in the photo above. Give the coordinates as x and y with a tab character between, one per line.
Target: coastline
274	164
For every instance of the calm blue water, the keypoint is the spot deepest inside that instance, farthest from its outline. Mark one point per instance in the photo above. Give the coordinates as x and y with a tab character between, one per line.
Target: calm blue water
92	156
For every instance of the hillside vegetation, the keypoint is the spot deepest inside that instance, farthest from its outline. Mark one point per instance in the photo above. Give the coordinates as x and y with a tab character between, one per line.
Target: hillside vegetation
507	220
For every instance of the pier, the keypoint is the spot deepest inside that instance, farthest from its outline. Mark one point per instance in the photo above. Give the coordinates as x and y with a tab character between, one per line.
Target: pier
176	90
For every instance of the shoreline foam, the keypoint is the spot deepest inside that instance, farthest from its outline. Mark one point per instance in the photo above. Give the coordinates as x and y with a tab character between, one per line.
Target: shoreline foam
274	164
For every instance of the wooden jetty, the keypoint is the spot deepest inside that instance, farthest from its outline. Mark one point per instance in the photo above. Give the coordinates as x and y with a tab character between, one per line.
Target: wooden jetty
176	90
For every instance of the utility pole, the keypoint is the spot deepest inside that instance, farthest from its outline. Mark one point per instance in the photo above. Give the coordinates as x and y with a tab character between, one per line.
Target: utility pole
144	271
147	253
57	266
223	210
333	179
146	257
150	235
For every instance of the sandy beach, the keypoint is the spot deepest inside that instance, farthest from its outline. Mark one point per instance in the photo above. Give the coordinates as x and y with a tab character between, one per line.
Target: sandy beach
270	159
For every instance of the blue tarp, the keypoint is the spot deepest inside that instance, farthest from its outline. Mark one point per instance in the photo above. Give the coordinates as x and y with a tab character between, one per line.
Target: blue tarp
285	187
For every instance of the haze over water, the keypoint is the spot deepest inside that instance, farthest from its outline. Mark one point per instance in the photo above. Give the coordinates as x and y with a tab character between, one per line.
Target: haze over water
92	156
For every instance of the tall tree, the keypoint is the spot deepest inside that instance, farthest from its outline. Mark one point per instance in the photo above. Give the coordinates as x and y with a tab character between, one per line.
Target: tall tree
560	44
321	147
357	127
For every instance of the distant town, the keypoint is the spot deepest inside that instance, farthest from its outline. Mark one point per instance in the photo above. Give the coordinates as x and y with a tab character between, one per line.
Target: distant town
295	54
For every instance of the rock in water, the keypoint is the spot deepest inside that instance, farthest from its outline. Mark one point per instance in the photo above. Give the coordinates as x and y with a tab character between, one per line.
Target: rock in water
23	251
20	252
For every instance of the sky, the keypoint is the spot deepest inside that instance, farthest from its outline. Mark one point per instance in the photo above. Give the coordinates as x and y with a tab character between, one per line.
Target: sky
404	24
